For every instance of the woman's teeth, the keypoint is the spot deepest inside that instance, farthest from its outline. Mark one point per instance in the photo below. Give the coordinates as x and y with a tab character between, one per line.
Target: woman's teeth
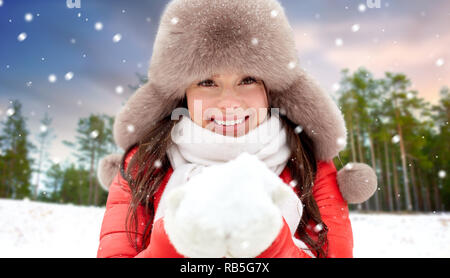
228	122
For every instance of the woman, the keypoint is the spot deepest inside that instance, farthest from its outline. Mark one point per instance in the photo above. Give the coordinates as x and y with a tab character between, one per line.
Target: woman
229	63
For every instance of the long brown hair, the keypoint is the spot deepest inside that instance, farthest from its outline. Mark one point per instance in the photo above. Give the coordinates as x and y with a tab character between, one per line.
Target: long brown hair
150	165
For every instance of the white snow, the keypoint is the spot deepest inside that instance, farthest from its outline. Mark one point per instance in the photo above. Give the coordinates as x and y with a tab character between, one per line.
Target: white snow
36	229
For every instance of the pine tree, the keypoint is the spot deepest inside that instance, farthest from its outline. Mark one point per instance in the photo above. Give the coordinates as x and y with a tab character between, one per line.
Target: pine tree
16	165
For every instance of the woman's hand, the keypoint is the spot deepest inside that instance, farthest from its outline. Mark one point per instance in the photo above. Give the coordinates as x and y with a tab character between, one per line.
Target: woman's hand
228	210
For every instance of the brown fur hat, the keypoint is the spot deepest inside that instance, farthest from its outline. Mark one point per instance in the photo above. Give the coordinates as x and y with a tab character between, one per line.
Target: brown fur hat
199	38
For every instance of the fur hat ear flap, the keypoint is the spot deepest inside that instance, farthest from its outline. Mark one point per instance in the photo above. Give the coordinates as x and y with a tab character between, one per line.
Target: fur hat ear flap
357	182
107	169
316	113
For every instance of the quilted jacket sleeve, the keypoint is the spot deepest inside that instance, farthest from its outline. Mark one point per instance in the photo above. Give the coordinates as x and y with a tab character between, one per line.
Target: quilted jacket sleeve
114	242
334	211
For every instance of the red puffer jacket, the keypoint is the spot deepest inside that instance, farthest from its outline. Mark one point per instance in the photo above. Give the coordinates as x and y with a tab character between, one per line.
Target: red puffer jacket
333	210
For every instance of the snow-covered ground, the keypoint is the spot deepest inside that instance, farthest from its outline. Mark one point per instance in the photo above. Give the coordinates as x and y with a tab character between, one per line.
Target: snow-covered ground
35	229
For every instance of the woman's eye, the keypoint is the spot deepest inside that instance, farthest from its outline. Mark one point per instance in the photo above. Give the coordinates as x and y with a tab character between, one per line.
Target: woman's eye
249	79
206	83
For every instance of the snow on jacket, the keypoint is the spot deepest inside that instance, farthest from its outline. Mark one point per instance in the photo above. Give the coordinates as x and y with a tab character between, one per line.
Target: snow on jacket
333	210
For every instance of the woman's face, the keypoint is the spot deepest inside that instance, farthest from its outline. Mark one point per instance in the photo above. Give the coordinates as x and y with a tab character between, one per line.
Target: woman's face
229	104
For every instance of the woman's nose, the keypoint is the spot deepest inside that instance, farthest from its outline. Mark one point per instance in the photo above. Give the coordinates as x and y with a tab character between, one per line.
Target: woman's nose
229	100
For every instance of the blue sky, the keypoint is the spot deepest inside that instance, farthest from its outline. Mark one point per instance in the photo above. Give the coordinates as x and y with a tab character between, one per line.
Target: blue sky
402	35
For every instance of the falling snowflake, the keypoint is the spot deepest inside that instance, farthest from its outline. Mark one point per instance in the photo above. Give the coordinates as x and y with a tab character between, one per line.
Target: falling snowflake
440	62
395	139
349	166
318	228
1	3
130	128
362	8
52	78
245	244
293	183
28	17
409	95
254	41
339	42
117	37
94	134
22	36
298	129
43	128
291	65
73	41
157	163
119	90
98	26
274	13
68	76
336	86
442	174
174	20
29	83
10	112
355	27
341	141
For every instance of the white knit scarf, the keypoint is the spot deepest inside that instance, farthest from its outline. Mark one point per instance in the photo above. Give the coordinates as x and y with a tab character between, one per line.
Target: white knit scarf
196	147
